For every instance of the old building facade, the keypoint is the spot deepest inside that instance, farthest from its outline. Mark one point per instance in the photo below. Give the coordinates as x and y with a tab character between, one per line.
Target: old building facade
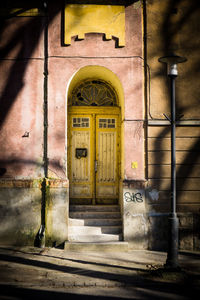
83	136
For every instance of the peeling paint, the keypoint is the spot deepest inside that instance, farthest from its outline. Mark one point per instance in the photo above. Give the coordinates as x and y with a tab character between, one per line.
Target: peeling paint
154	195
137	5
143	221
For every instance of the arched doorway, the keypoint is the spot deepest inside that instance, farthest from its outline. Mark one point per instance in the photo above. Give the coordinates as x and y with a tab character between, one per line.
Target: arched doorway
93	143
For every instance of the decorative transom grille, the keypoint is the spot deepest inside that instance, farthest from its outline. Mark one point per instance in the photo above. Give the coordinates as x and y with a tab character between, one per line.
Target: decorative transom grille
81	122
93	93
106	123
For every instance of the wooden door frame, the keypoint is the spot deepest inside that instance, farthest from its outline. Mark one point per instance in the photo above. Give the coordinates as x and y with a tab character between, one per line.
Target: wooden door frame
96	110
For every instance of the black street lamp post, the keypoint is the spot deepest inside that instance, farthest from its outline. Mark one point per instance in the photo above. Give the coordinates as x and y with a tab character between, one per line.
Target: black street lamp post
172	72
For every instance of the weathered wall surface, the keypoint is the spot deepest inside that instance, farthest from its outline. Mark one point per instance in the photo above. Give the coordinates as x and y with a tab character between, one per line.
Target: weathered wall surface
145	204
125	62
21	129
173	26
187	158
22	193
135	214
21	116
57	212
20	211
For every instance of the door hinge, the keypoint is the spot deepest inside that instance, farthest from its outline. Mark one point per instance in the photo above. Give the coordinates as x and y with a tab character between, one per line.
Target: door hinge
95	165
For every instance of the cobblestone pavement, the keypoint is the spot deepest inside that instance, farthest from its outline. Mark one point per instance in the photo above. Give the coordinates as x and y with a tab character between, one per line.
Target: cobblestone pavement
49	273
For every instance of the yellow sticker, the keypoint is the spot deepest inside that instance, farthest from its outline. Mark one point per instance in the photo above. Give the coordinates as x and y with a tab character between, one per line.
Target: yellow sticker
134	164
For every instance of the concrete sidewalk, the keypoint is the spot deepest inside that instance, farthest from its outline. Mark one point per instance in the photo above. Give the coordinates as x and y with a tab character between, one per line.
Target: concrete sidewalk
49	273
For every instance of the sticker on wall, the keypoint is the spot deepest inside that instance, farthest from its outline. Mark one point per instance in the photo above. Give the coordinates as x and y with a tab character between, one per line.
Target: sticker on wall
154	195
134	165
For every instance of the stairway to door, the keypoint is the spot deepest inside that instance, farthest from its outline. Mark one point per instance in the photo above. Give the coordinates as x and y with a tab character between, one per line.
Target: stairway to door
95	223
94	227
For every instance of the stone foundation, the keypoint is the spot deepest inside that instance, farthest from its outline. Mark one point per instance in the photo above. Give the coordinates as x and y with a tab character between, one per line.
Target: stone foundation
57	212
26	205
146	228
20	211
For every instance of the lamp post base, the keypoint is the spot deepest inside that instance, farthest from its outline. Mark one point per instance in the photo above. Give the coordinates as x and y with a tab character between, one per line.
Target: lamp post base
172	254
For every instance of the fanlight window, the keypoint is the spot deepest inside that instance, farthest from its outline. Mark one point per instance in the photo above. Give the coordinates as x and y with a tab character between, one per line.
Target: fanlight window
93	93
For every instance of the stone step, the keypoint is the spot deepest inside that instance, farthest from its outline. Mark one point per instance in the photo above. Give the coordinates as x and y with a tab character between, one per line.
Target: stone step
95	215
95	222
101	208
89	238
98	247
84	230
94	230
111	229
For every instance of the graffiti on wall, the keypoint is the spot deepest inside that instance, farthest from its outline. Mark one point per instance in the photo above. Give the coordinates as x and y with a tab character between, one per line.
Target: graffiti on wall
133	197
154	195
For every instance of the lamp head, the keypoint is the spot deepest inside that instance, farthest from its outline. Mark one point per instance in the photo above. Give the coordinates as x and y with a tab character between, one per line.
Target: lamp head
172	61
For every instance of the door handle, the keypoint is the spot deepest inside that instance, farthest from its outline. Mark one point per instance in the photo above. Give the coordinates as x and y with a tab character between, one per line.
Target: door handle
95	165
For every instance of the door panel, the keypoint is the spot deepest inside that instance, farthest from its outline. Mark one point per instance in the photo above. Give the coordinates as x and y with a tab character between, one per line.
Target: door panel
81	166
106	156
81	177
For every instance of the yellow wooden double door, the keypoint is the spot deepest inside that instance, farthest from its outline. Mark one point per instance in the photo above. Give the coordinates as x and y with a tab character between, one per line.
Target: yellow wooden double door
94	149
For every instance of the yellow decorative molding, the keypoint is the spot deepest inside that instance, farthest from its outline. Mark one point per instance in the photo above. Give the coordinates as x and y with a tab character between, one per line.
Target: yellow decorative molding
107	19
20	12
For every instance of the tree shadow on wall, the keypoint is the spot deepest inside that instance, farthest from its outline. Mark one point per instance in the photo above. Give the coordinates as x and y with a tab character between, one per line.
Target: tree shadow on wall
22	47
178	30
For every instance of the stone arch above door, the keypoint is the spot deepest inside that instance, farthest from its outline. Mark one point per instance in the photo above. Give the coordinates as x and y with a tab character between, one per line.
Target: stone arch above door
93	93
95	111
98	73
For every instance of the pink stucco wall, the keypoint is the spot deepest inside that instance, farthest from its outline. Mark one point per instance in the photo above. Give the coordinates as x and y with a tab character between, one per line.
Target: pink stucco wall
21	96
125	62
21	90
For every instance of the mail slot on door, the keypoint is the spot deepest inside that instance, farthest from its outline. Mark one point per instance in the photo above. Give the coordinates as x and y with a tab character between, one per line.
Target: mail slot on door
81	152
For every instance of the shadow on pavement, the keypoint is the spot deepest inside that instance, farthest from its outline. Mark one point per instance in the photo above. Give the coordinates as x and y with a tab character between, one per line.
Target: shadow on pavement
142	283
